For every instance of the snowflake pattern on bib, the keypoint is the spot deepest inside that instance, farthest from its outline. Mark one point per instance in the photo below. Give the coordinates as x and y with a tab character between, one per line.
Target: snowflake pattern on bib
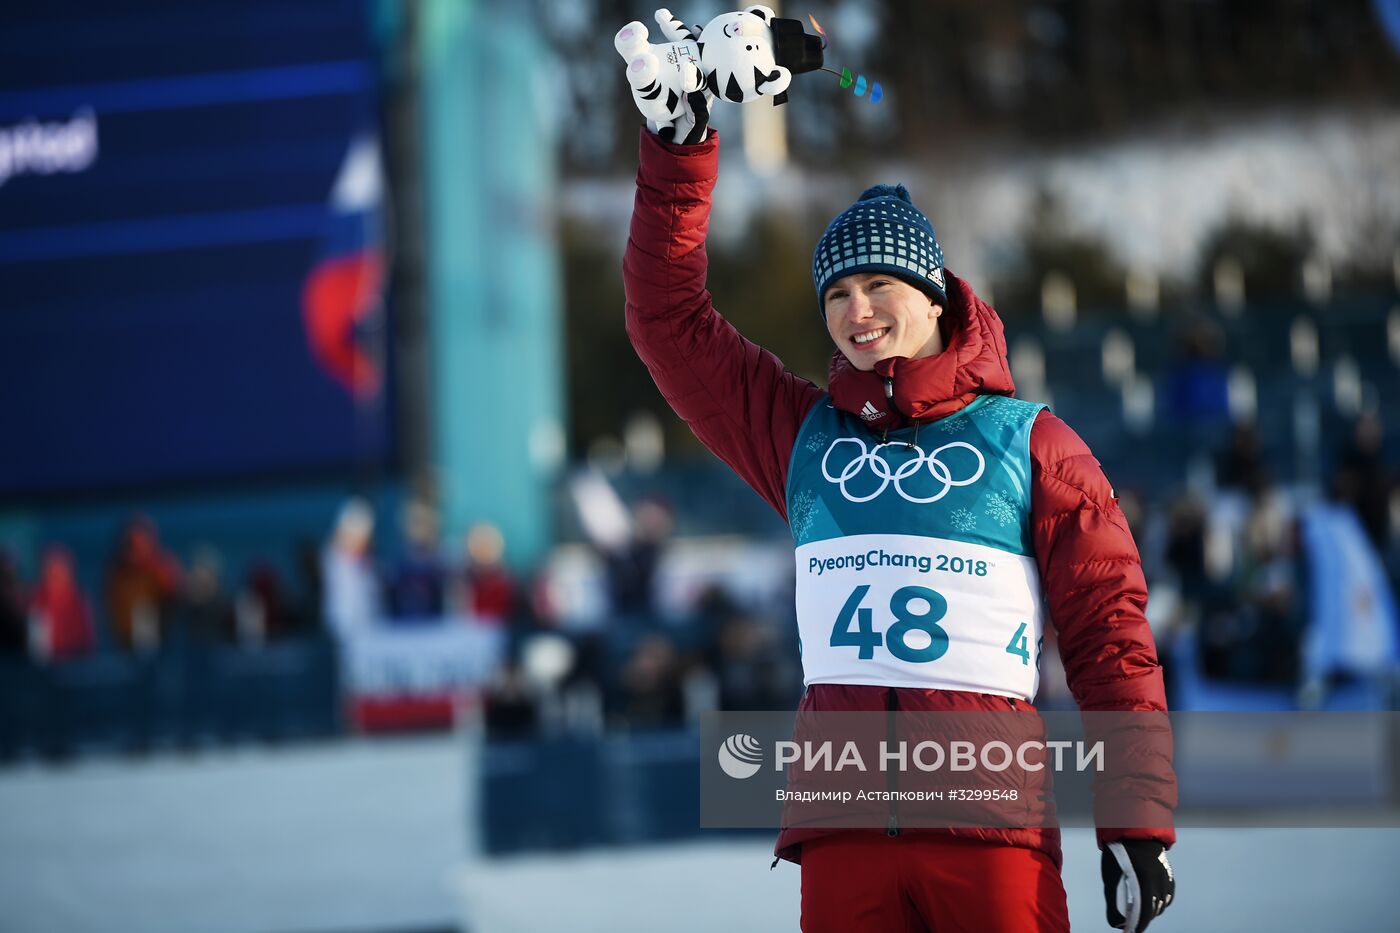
1001	509
963	520
1010	411
803	512
954	425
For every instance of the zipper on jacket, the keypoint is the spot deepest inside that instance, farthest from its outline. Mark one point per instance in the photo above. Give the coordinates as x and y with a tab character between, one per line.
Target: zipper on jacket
889	402
892	775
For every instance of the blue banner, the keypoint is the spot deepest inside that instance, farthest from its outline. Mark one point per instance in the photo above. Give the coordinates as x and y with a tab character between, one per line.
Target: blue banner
1355	629
189	242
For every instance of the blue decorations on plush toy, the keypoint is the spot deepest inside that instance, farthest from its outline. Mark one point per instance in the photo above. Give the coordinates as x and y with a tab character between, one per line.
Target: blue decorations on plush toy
738	56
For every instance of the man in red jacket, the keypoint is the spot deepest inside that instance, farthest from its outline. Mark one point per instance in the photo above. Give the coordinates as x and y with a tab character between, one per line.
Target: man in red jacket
915	349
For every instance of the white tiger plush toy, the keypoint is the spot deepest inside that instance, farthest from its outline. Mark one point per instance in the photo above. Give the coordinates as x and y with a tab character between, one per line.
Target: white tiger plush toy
736	56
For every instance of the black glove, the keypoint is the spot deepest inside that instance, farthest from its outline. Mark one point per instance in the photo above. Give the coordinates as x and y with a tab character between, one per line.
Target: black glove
1137	882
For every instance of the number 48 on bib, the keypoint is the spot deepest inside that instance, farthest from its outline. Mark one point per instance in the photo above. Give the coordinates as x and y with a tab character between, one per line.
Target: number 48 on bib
915	609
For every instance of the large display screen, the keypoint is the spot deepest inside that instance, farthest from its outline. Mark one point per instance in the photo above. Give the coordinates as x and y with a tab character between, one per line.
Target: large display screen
191	262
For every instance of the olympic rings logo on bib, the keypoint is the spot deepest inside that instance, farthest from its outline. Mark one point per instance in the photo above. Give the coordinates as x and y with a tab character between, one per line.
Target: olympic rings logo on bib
888	474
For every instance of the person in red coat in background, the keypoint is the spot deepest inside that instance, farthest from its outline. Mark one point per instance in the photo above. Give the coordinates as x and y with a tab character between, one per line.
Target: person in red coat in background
60	616
490	590
916	348
142	583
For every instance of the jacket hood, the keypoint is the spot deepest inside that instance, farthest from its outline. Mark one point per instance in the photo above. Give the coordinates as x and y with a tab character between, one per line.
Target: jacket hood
973	363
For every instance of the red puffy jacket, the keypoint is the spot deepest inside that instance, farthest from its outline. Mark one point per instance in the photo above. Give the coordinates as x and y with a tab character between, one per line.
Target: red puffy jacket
747	409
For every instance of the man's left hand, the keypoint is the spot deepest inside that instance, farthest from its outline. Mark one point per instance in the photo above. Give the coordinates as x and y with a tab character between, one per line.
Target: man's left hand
1137	883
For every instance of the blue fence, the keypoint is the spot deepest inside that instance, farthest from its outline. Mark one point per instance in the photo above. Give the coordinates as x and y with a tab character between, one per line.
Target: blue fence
573	792
184	695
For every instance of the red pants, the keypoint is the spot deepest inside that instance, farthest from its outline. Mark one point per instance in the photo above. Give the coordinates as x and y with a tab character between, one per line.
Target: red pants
854	882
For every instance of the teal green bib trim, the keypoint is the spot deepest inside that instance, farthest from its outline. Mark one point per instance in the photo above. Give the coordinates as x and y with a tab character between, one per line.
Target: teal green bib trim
968	480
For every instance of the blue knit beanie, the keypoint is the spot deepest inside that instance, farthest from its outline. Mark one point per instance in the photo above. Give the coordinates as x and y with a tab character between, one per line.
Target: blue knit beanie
882	232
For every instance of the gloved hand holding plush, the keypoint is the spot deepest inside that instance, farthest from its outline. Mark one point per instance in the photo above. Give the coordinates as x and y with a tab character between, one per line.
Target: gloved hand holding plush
1137	883
738	56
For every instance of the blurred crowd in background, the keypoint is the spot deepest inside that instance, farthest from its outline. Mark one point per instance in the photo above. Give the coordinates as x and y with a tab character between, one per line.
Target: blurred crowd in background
635	666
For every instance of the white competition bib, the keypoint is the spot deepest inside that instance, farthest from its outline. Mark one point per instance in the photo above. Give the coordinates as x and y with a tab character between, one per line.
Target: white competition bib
914	611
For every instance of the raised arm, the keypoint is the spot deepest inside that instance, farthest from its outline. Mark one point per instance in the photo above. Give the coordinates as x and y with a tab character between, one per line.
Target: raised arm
737	397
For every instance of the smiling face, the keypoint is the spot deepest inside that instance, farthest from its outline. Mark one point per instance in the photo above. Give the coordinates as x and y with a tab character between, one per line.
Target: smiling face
873	316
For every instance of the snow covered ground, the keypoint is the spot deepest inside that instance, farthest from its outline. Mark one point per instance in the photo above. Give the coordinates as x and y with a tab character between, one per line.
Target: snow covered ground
359	835
340	837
